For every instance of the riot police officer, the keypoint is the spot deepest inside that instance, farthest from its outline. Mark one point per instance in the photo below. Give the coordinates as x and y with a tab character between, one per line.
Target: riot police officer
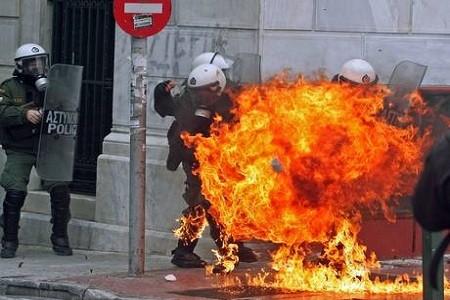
163	97
193	110
21	100
356	71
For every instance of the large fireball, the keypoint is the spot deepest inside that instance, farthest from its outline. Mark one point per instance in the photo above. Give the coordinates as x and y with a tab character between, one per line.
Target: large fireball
297	166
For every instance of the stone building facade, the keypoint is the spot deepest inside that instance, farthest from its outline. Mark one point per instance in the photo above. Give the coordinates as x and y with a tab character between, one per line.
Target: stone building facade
300	35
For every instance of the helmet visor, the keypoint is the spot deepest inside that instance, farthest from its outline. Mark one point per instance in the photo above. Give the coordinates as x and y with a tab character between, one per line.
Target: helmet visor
35	65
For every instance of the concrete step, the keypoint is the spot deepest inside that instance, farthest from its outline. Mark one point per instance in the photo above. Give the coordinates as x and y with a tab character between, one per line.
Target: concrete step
35	229
82	206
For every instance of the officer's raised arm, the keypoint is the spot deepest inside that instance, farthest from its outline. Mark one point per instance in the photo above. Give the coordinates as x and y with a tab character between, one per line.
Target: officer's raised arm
164	104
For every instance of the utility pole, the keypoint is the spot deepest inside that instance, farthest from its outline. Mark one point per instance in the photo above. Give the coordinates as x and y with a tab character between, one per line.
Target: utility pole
138	126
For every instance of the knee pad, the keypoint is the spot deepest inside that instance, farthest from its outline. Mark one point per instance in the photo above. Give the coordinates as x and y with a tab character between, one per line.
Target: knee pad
60	193
14	199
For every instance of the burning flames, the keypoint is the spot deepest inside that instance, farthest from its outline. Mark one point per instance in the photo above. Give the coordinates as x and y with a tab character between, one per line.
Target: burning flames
296	169
343	267
192	225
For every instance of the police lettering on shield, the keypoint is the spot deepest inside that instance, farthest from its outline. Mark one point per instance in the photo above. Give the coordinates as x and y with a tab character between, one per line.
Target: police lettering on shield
60	122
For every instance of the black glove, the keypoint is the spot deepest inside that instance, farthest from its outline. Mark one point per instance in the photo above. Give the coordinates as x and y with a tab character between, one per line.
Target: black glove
164	104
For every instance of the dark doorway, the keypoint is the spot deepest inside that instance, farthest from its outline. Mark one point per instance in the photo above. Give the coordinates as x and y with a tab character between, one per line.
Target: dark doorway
83	34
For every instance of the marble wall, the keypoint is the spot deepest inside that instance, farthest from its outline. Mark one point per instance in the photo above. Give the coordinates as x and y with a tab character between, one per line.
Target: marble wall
22	22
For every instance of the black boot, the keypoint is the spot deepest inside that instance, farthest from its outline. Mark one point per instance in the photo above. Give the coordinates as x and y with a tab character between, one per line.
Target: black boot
11	215
184	256
60	203
185	259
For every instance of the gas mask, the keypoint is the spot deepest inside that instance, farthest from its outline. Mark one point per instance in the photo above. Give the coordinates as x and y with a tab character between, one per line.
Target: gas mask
41	83
33	70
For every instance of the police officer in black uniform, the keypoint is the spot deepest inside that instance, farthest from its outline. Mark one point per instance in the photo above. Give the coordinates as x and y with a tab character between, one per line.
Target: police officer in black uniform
201	98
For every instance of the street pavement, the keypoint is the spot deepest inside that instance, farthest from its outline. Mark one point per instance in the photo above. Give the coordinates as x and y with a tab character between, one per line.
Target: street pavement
36	273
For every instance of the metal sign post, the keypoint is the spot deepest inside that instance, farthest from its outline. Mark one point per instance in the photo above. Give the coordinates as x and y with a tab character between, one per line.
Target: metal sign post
138	126
140	19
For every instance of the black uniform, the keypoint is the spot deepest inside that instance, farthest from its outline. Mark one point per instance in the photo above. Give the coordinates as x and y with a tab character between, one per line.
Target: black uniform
184	108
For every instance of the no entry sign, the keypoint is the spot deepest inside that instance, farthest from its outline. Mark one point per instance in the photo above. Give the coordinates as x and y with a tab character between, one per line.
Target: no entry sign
142	18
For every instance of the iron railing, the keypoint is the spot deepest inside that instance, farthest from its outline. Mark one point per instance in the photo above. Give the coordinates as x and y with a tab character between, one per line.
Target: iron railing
83	34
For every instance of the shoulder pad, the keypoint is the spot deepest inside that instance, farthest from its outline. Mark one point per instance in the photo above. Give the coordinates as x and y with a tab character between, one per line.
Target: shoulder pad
6	86
3	85
8	81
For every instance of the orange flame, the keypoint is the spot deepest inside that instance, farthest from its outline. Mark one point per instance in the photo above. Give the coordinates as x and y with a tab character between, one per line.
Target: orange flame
343	268
191	226
226	259
296	168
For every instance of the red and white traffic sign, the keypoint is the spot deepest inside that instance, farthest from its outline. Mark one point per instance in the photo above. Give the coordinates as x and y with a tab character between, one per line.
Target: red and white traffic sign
142	18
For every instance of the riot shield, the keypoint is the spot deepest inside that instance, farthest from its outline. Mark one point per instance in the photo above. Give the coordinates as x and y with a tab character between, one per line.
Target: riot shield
246	68
405	79
59	124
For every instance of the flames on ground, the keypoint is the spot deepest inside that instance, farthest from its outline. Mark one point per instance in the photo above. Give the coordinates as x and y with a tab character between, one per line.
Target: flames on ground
296	169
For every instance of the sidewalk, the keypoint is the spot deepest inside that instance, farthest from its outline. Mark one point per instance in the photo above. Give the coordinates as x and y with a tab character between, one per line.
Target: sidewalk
37	272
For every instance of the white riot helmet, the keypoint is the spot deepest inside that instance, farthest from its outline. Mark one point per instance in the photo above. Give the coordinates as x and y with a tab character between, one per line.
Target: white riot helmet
32	63
358	71
212	58
207	76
